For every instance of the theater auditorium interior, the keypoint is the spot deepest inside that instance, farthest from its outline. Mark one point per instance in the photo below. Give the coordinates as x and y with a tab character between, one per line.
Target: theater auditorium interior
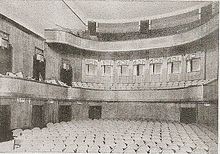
109	76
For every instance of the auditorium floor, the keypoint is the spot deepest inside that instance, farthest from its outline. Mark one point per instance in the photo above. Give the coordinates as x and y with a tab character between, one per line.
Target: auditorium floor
114	136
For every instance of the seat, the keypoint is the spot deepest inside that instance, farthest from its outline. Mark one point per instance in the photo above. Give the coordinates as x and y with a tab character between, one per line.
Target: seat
133	146
93	149
81	149
186	148
181	152
17	132
129	150
105	149
151	144
154	150
175	84
7	146
199	151
162	145
117	149
173	146
139	142
167	151
143	149
188	83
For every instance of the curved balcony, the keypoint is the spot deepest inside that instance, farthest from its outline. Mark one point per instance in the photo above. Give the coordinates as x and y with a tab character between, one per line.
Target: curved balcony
24	88
191	93
63	37
198	91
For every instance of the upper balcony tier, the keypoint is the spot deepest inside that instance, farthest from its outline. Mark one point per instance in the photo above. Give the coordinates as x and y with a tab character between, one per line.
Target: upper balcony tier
192	34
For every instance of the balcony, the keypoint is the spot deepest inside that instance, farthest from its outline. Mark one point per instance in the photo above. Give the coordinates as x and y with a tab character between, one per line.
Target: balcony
196	90
63	37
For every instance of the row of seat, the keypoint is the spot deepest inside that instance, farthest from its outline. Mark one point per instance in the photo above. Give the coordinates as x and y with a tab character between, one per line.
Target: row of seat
139	86
112	136
124	86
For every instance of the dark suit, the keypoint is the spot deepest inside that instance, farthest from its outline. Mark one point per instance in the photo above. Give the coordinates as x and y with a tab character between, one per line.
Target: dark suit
38	68
66	76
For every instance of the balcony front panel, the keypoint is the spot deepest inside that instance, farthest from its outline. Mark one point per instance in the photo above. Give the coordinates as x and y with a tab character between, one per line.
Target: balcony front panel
15	87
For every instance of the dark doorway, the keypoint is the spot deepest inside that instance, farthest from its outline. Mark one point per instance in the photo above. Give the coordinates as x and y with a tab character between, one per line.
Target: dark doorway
5	60
5	120
92	27
38	116
95	112
39	65
188	115
144	26
65	113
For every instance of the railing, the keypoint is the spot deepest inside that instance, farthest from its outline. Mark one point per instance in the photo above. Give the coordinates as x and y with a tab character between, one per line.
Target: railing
19	87
58	36
187	94
170	91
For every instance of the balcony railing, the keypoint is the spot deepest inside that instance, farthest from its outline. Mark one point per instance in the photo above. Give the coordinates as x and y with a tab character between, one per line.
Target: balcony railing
170	91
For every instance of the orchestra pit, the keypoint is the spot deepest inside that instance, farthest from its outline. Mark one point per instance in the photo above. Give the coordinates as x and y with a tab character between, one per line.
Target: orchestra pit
111	76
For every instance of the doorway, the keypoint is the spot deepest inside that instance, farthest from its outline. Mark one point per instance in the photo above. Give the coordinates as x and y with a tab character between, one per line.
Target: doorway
188	115
65	113
5	60
5	121
95	112
38	116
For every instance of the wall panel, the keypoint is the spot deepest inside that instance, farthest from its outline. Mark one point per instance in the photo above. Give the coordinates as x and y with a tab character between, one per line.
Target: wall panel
138	111
21	114
80	110
51	111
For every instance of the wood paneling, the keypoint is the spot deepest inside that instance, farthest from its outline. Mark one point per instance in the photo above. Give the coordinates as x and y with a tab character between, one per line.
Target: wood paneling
80	110
51	111
190	94
29	88
138	111
21	114
208	115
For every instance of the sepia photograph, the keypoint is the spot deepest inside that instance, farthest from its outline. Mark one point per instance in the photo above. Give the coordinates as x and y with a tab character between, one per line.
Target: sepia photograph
109	76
